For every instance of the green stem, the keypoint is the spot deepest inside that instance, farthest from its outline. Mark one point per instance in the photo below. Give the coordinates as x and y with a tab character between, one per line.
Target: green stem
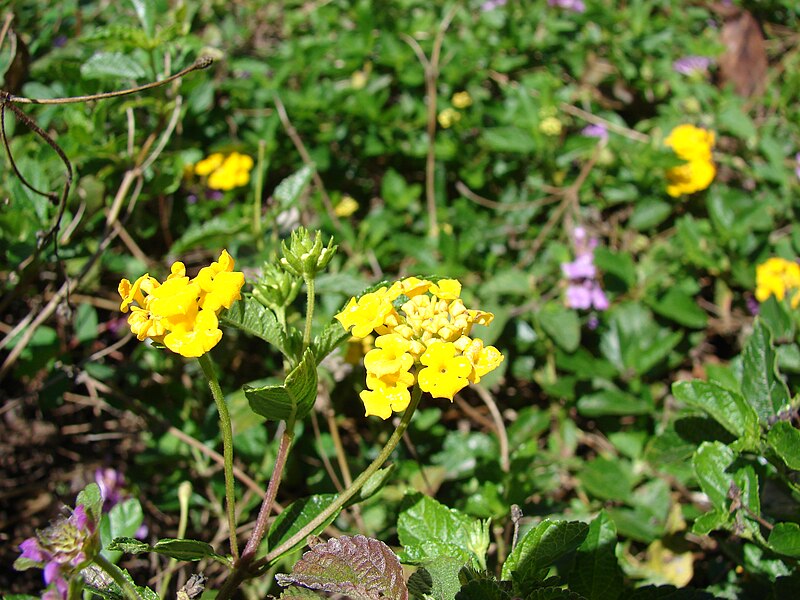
345	496
309	312
227	445
184	495
119	578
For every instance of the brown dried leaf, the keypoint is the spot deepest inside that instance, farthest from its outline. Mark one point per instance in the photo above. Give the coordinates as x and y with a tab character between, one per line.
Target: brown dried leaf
359	567
744	62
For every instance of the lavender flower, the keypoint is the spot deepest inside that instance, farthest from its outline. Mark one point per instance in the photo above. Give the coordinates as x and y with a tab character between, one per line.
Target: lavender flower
797	165
574	5
691	65
583	288
595	131
112	487
61	550
492	4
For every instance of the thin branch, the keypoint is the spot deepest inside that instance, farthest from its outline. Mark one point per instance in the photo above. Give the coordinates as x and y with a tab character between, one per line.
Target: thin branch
499	426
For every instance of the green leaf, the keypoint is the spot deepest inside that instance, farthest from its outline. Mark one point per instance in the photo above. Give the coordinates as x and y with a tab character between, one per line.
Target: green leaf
508	139
540	548
438	578
358	567
292	400
184	549
331	338
129	545
553	593
146	11
122	521
373	485
296	516
761	385
775	315
613	402
85	323
211	233
103	65
483	589
92	500
252	317
288	191
427	530
562	325
785	539
680	307
596	574
608	479
785	440
669	592
649	213
710	462
728	408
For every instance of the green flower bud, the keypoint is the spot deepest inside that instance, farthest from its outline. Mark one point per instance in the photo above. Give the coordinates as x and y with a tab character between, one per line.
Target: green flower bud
304	257
277	288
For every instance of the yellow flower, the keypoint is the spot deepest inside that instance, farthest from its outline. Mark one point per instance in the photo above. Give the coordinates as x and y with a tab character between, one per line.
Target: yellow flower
358	80
776	277
429	331
461	99
448	117
346	207
365	314
693	145
225	172
182	313
444	373
550	126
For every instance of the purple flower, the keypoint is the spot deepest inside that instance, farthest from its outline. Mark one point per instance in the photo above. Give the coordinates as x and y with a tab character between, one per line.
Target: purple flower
595	131
60	550
797	165
492	4
581	267
583	286
691	65
574	5
111	483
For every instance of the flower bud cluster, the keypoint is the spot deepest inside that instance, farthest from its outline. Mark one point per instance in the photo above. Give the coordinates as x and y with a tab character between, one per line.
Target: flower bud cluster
423	336
304	257
277	288
61	550
181	313
693	145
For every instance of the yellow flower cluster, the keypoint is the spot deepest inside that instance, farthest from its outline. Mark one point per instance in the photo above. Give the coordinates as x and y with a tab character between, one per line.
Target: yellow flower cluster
181	313
346	207
225	172
776	277
423	336
693	145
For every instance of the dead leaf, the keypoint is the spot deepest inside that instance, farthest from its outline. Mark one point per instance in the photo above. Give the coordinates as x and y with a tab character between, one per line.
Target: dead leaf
744	62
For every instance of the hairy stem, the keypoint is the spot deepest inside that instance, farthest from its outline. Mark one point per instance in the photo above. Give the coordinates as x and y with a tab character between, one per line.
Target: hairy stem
116	574
227	445
309	312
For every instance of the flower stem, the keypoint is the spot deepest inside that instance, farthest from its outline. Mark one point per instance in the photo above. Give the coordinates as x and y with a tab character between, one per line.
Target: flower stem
113	571
309	312
342	499
227	445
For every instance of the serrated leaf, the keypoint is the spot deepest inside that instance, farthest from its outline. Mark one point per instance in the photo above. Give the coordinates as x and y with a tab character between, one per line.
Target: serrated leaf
785	539
484	589
288	191
762	387
129	545
710	461
428	530
331	338
785	440
358	566
539	549
252	317
292	400
184	549
103	65
728	408
298	593
438	579
597	574
296	516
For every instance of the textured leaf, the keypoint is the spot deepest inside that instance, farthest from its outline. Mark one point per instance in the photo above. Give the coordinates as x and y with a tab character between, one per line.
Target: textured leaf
761	385
289	190
553	593
728	408
296	516
437	578
483	589
292	400
358	566
785	440
298	593
252	317
710	462
785	539
331	338
129	546
428	529
609	479
112	64
597	575
122	521
540	548
92	500
184	549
